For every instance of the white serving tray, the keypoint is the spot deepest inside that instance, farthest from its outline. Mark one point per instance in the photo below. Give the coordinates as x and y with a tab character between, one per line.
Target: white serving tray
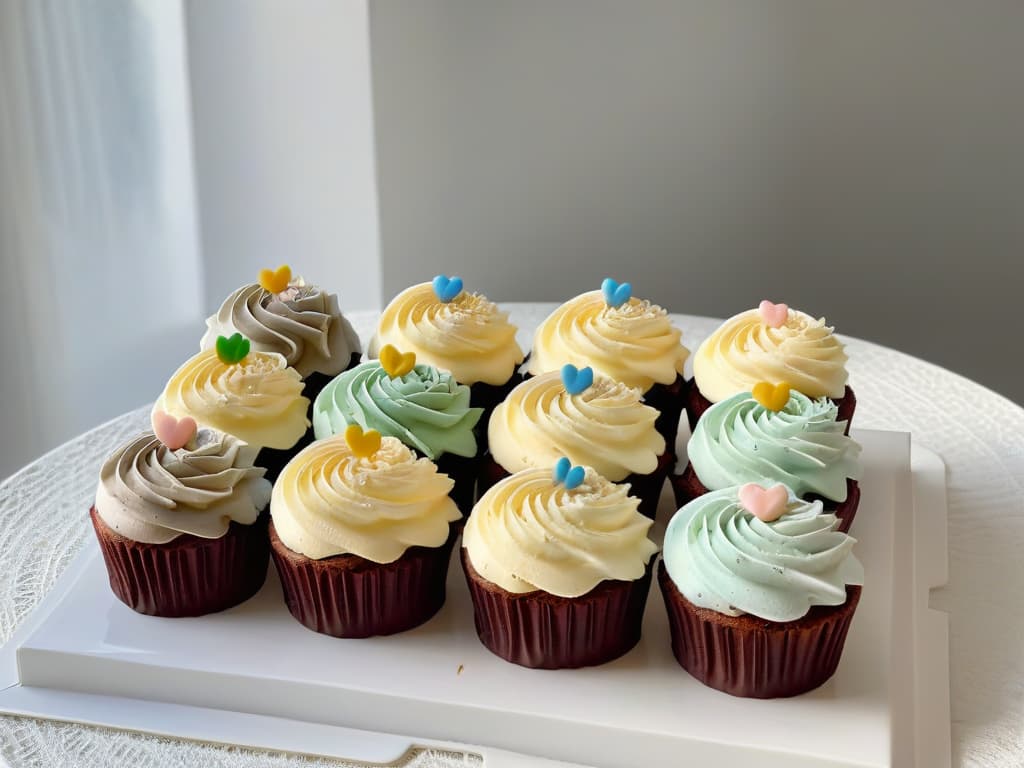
254	676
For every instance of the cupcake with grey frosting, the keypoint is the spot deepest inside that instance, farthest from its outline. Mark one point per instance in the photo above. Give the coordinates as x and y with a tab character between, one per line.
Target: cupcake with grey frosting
181	520
760	588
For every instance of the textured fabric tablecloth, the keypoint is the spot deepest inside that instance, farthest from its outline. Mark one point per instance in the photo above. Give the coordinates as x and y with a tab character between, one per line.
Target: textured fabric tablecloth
980	436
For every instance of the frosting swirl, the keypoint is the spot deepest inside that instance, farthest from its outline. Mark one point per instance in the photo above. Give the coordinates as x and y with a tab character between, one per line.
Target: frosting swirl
258	400
426	408
468	335
634	343
308	330
151	494
606	427
743	351
802	446
723	558
528	533
328	502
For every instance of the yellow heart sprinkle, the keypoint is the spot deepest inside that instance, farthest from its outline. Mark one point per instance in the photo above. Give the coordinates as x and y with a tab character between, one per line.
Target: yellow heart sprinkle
394	363
277	280
363	444
773	397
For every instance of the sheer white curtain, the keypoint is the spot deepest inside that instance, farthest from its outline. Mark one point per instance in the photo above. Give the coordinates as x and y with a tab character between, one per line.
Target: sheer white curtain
154	154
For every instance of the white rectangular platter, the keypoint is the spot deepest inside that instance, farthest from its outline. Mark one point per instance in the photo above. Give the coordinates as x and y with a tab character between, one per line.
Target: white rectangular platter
254	676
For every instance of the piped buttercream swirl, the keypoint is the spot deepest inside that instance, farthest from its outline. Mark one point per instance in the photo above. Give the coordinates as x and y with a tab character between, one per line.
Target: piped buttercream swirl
529	533
327	502
151	494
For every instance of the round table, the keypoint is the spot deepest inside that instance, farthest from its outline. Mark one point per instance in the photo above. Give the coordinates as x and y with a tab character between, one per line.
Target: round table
979	435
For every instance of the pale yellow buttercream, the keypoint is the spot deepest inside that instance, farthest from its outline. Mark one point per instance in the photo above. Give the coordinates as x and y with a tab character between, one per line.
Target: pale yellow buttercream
258	400
467	336
327	502
634	343
529	533
803	352
606	426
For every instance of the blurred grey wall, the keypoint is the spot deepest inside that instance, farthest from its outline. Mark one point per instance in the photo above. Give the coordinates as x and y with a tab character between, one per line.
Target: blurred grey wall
861	160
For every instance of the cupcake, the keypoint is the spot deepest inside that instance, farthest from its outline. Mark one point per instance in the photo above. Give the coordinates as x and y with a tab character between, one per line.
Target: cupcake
586	417
760	589
558	565
300	322
254	396
772	343
180	516
627	339
423	407
361	533
775	435
457	331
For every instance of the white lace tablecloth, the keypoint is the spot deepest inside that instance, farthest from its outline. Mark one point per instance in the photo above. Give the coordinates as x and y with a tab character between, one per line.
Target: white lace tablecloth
980	436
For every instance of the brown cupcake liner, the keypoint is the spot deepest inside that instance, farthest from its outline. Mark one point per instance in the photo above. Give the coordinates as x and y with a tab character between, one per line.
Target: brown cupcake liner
647	488
350	596
753	658
669	401
543	631
687	487
189	576
696	404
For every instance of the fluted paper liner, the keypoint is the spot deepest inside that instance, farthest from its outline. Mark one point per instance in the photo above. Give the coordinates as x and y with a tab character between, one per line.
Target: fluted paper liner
189	576
688	487
350	596
545	631
647	488
669	400
696	404
753	658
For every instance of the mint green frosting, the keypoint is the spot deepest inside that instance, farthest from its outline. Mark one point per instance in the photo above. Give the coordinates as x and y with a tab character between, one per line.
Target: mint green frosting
723	558
426	409
802	446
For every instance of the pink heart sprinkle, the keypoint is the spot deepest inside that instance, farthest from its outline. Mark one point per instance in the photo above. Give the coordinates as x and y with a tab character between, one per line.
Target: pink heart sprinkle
172	432
767	504
774	315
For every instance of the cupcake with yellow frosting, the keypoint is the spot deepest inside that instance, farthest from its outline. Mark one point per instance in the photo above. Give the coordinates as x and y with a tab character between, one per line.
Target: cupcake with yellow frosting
587	417
772	343
456	331
281	313
180	516
361	533
775	435
558	564
422	406
254	396
760	589
625	338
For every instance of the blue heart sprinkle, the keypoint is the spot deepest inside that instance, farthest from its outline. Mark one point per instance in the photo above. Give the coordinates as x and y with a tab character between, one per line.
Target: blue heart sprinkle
575	379
574	478
615	295
562	467
447	288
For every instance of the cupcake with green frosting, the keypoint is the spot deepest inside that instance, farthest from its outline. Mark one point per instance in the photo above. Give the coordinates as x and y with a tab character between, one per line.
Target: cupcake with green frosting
425	408
775	435
760	588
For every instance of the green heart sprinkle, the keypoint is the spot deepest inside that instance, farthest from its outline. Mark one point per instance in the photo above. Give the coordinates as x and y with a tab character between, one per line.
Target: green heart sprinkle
233	350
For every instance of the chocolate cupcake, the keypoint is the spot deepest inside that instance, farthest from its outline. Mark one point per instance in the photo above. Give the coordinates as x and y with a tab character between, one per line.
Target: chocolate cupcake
760	589
627	339
456	331
361	535
586	417
300	322
254	396
423	407
772	343
775	435
558	565
182	526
